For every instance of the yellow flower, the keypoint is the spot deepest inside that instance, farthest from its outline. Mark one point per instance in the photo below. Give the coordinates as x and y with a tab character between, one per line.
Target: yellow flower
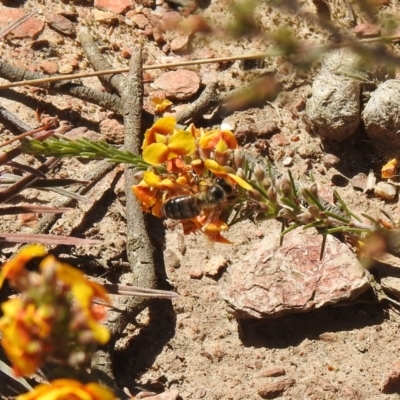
163	142
68	389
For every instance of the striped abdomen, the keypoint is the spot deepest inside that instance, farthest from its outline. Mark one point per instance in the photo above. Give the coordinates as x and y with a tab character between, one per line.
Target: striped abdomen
182	207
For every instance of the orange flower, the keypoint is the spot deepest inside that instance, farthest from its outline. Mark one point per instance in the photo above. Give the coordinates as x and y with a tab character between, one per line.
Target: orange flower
84	291
153	189
62	389
218	140
13	269
56	307
23	327
219	170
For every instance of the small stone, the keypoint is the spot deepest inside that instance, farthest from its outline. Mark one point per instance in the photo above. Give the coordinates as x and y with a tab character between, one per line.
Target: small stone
228	124
116	6
275	389
391	383
112	131
385	191
359	181
140	20
106	17
171	259
213	266
29	29
181	84
367	30
179	43
170	395
273	372
60	23
287	161
66	69
126	54
330	160
48	67
28	219
196	273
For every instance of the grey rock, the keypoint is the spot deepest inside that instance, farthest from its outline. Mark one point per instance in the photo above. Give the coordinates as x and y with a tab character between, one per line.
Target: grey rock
382	119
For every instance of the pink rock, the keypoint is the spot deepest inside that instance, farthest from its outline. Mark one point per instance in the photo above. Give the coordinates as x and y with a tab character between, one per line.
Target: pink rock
367	30
275	389
60	23
179	43
140	20
391	383
116	6
48	67
29	29
274	280
112	131
181	84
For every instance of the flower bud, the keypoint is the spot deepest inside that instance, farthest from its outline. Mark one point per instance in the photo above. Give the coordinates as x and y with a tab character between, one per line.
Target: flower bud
272	195
259	172
284	186
285	213
314	211
255	194
262	208
238	158
240	173
266	183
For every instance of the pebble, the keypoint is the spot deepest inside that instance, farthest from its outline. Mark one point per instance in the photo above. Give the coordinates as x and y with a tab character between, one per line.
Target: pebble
273	372
179	43
391	384
29	29
330	160
103	16
287	161
140	20
60	23
112	131
181	84
275	389
48	67
367	30
66	69
214	265
196	273
116	6
385	191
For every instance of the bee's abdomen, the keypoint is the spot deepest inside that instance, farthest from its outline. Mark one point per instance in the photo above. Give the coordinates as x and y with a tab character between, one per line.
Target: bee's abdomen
181	207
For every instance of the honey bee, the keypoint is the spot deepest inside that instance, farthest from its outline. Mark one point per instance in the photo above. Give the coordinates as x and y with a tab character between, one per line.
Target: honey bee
213	198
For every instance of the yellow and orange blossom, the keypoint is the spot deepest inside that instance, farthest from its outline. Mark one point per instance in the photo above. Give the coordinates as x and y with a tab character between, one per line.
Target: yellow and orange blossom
69	389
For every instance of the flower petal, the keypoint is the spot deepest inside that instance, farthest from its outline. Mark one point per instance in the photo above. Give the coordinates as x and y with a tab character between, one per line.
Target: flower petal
16	265
155	153
182	143
241	182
